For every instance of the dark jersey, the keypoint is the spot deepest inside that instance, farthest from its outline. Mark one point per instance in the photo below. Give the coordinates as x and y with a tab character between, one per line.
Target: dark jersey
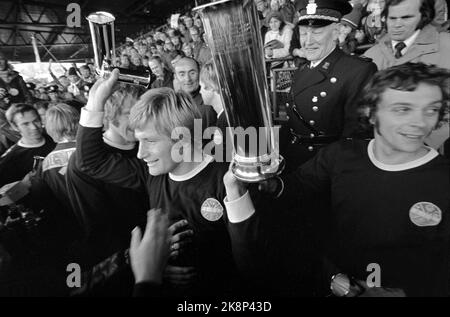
397	218
49	192
106	213
18	160
54	168
197	199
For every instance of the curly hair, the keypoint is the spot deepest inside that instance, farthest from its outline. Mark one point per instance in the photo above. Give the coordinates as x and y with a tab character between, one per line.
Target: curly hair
406	77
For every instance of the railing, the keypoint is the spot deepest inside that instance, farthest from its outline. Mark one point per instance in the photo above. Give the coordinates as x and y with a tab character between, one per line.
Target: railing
280	74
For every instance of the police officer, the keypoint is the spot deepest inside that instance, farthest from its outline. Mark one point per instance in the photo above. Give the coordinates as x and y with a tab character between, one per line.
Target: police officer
326	88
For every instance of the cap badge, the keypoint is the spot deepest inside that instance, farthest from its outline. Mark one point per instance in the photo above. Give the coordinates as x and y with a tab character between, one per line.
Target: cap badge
311	8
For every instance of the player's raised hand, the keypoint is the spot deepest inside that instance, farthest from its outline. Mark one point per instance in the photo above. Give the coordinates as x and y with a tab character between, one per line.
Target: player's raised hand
101	91
234	187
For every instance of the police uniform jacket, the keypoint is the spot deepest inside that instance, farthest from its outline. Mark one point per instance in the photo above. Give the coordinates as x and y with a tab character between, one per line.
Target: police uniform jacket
325	97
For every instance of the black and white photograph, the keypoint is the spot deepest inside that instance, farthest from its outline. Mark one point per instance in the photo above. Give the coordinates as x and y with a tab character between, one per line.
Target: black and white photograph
224	155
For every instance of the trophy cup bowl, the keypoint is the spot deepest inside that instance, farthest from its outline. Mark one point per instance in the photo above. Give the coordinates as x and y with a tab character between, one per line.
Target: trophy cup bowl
101	26
232	32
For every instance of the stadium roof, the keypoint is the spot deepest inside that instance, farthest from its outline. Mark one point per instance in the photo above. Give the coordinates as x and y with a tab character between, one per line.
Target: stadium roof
47	21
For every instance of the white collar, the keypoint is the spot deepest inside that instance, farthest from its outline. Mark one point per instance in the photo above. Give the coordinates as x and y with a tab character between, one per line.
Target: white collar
218	115
125	147
28	146
432	153
181	178
408	42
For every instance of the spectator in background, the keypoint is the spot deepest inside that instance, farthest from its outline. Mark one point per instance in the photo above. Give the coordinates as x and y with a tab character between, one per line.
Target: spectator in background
12	86
153	50
441	15
176	41
274	5
145	61
31	87
62	81
374	22
287	9
411	39
136	62
277	40
200	51
347	32
142	48
42	93
188	21
160	47
187	75
187	49
186	36
164	77
86	74
76	84
199	24
125	61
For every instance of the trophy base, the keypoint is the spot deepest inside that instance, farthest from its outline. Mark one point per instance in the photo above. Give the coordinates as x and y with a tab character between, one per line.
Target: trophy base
254	170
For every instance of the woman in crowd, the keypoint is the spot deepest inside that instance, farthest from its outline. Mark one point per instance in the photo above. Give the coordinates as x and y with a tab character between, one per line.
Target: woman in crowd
277	40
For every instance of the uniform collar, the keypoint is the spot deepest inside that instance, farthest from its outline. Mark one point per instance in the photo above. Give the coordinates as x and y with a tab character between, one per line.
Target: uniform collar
307	77
327	64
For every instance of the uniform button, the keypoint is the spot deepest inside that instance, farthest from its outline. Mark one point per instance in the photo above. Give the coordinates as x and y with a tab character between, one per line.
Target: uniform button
333	80
312	135
323	94
315	108
310	148
315	99
312	122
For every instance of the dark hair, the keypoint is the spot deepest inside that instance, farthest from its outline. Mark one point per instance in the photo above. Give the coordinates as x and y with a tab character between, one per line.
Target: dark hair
156	58
19	108
404	77
426	10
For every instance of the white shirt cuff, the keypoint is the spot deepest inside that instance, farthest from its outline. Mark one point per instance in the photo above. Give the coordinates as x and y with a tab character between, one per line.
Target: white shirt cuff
240	209
91	119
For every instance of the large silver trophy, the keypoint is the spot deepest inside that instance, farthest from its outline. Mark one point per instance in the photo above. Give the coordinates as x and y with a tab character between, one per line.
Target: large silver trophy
101	25
233	34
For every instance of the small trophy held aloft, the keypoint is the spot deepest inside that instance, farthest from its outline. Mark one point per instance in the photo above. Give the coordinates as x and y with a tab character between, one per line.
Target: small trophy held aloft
101	25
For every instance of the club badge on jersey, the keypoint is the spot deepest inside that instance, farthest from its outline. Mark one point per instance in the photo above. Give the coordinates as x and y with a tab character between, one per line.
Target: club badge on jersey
211	209
425	214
